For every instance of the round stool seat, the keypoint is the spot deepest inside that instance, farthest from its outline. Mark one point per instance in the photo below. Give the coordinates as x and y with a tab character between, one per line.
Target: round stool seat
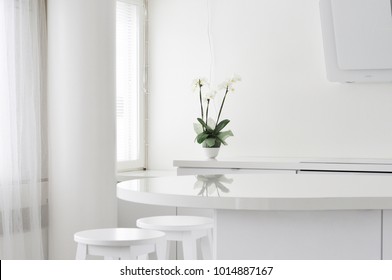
175	223
117	236
118	243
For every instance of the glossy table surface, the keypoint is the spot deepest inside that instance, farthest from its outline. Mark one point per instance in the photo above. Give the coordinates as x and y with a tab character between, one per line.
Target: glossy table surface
263	191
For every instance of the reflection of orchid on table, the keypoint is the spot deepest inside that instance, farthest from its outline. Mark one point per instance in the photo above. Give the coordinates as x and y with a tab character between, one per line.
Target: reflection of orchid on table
208	184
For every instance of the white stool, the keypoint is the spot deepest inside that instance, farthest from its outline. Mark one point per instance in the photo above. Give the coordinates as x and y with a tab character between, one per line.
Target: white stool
186	229
118	243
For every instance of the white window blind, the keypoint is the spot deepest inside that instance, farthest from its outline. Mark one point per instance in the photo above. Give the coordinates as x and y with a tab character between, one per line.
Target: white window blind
129	82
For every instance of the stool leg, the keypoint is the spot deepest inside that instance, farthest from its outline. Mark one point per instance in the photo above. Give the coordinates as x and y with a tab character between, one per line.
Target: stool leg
143	257
189	246
206	246
139	251
81	252
153	255
129	256
163	249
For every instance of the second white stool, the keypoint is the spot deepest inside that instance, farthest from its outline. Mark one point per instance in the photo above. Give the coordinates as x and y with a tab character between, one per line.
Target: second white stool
186	229
118	243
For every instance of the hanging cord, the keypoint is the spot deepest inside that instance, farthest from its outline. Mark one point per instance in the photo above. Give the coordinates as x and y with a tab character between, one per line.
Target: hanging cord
211	47
210	43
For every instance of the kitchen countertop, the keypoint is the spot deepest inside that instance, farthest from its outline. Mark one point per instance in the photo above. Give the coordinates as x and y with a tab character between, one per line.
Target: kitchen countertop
324	164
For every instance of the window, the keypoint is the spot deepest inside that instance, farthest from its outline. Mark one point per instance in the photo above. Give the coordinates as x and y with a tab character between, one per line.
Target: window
130	84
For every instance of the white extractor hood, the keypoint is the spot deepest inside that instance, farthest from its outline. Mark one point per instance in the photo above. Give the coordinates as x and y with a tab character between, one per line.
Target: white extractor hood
357	38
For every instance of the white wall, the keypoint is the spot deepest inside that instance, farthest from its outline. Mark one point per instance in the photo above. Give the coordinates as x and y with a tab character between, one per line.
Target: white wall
81	116
283	107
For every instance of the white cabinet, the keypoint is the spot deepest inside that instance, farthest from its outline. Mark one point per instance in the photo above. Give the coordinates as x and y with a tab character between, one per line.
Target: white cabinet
261	164
208	171
387	235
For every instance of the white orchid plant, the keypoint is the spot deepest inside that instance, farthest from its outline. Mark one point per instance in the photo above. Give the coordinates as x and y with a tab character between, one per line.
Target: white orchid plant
209	132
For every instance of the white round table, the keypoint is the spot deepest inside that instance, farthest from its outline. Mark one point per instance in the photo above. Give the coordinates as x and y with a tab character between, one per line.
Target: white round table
283	216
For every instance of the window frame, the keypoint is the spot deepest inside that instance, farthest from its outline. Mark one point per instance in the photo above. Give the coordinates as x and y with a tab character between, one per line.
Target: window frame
139	163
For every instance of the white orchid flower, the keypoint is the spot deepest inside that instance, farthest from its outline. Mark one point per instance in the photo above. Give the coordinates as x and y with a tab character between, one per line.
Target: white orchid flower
209	95
198	83
235	78
228	84
224	84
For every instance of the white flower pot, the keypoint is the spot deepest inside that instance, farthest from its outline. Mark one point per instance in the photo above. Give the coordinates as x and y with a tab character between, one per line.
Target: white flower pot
211	152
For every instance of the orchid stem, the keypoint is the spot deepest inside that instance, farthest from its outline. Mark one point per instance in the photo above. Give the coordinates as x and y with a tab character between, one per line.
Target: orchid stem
223	102
208	105
201	102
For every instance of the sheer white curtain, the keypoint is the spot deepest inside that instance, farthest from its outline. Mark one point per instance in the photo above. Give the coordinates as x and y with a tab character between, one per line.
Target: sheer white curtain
22	89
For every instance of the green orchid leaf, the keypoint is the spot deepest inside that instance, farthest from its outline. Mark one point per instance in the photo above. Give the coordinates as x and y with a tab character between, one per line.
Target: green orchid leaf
198	128
210	142
211	122
208	128
222	136
221	141
201	137
221	125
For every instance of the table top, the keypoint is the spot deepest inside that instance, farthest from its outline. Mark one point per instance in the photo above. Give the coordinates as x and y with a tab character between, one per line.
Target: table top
263	191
